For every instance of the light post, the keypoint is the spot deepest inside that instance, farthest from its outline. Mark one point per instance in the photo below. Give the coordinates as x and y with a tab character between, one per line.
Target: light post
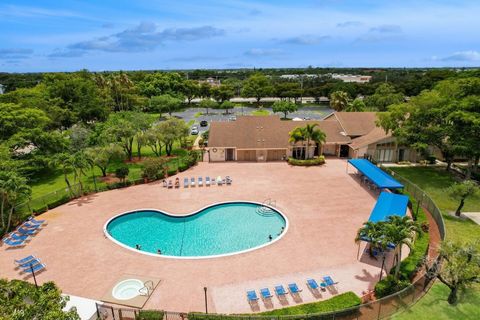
33	274
206	305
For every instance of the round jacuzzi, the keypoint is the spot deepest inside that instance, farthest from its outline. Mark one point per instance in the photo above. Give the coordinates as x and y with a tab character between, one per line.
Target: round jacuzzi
127	289
217	230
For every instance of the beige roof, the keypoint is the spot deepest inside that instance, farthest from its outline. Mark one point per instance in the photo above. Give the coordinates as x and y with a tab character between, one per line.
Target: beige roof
251	132
356	123
373	136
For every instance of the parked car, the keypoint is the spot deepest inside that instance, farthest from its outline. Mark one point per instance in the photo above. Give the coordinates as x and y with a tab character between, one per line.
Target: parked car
203	123
194	130
232	118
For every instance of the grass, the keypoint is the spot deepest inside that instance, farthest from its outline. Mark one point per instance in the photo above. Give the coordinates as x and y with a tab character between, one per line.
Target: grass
339	302
260	112
197	115
434	305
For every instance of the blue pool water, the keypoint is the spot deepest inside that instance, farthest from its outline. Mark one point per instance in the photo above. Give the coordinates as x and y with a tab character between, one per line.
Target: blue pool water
219	229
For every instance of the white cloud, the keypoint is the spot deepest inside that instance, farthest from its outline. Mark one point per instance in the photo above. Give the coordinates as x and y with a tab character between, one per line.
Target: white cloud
467	56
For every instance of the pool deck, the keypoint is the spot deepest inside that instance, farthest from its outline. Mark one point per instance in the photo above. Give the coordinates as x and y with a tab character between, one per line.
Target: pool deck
325	207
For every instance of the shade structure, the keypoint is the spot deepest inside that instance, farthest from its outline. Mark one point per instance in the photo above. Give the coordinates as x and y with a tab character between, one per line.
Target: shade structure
379	177
389	204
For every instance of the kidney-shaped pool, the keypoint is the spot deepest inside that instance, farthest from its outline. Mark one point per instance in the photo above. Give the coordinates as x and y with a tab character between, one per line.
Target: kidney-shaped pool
220	229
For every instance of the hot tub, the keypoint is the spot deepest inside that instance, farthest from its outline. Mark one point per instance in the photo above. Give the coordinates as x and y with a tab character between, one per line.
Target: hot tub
127	289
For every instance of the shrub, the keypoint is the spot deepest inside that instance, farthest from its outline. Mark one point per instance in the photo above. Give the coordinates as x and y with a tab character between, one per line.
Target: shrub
149	315
171	172
307	163
153	169
122	173
389	286
431	159
183	166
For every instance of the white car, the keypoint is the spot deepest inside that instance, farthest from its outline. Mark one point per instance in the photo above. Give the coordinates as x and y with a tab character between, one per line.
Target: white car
194	130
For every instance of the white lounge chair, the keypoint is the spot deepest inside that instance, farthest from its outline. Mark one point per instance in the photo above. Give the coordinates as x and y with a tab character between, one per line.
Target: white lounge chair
207	181
185	182
219	180
192	182
200	181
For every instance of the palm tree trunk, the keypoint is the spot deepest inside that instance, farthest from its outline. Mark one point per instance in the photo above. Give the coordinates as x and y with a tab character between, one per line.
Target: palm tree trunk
307	149
1	210
10	214
399	260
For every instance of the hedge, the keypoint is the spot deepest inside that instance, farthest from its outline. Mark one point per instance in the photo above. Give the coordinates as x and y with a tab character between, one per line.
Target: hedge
150	315
307	163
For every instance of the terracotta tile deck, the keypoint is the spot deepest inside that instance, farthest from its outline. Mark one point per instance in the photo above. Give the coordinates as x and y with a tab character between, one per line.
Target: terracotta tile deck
325	207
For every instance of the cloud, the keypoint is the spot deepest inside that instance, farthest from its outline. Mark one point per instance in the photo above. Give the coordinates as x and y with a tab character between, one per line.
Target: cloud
347	24
386	28
66	54
144	37
257	52
466	56
306	40
15	54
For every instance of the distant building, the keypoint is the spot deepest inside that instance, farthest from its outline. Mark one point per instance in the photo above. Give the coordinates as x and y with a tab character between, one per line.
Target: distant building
297	76
211	81
352	78
2	89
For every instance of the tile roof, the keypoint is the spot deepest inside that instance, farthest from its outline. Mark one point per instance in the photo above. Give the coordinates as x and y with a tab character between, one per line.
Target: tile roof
356	123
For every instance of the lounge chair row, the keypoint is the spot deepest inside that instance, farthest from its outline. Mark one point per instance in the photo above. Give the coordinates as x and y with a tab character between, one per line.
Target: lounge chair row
19	237
293	288
29	264
199	182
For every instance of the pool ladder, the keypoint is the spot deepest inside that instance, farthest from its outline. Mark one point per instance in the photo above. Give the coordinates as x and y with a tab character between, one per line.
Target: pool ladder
147	288
264	209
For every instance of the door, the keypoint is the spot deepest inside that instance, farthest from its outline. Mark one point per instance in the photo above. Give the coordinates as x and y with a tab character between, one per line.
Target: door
246	155
276	155
230	154
401	155
344	151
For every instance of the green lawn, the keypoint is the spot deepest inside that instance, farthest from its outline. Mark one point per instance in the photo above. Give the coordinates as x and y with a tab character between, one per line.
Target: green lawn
260	112
434	305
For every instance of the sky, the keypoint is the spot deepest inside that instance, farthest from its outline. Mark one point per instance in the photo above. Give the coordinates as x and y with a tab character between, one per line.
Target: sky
67	35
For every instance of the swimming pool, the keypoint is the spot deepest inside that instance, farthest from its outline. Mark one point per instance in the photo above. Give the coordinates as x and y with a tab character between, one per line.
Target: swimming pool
220	229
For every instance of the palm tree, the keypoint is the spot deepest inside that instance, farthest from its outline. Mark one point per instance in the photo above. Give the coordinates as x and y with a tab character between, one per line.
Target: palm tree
401	231
308	133
312	134
374	233
13	189
339	100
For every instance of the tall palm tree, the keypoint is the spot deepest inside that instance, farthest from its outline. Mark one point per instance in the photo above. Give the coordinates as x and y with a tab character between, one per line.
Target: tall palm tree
339	100
297	135
401	231
374	233
311	133
13	189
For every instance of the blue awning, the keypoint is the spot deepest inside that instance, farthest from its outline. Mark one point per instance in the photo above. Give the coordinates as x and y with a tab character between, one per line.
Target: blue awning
389	204
379	177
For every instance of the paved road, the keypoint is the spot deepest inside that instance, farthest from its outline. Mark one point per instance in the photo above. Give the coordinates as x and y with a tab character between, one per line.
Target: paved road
196	114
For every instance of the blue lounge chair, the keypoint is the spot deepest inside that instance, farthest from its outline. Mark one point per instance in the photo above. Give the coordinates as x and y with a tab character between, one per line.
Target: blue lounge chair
265	292
17	237
192	182
27	264
280	290
24	260
14	243
294	288
32	220
312	284
252	296
185	182
35	268
30	225
328	281
200	181
26	231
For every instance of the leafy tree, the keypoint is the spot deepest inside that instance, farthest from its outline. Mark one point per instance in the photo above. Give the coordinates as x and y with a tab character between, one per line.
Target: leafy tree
143	122
223	93
308	133
172	130
122	91
236	84
462	191
121	127
154	168
207	104
21	300
384	96
15	119
285	107
122	173
226	105
356	105
290	90
104	156
257	86
13	190
190	90
79	137
166	103
205	90
400	231
339	100
160	83
154	139
460	268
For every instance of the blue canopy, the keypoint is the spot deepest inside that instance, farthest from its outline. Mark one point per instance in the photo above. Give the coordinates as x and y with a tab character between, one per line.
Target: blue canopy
389	204
379	177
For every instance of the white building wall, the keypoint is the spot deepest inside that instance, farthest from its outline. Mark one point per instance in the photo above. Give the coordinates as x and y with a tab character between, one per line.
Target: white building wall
217	154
